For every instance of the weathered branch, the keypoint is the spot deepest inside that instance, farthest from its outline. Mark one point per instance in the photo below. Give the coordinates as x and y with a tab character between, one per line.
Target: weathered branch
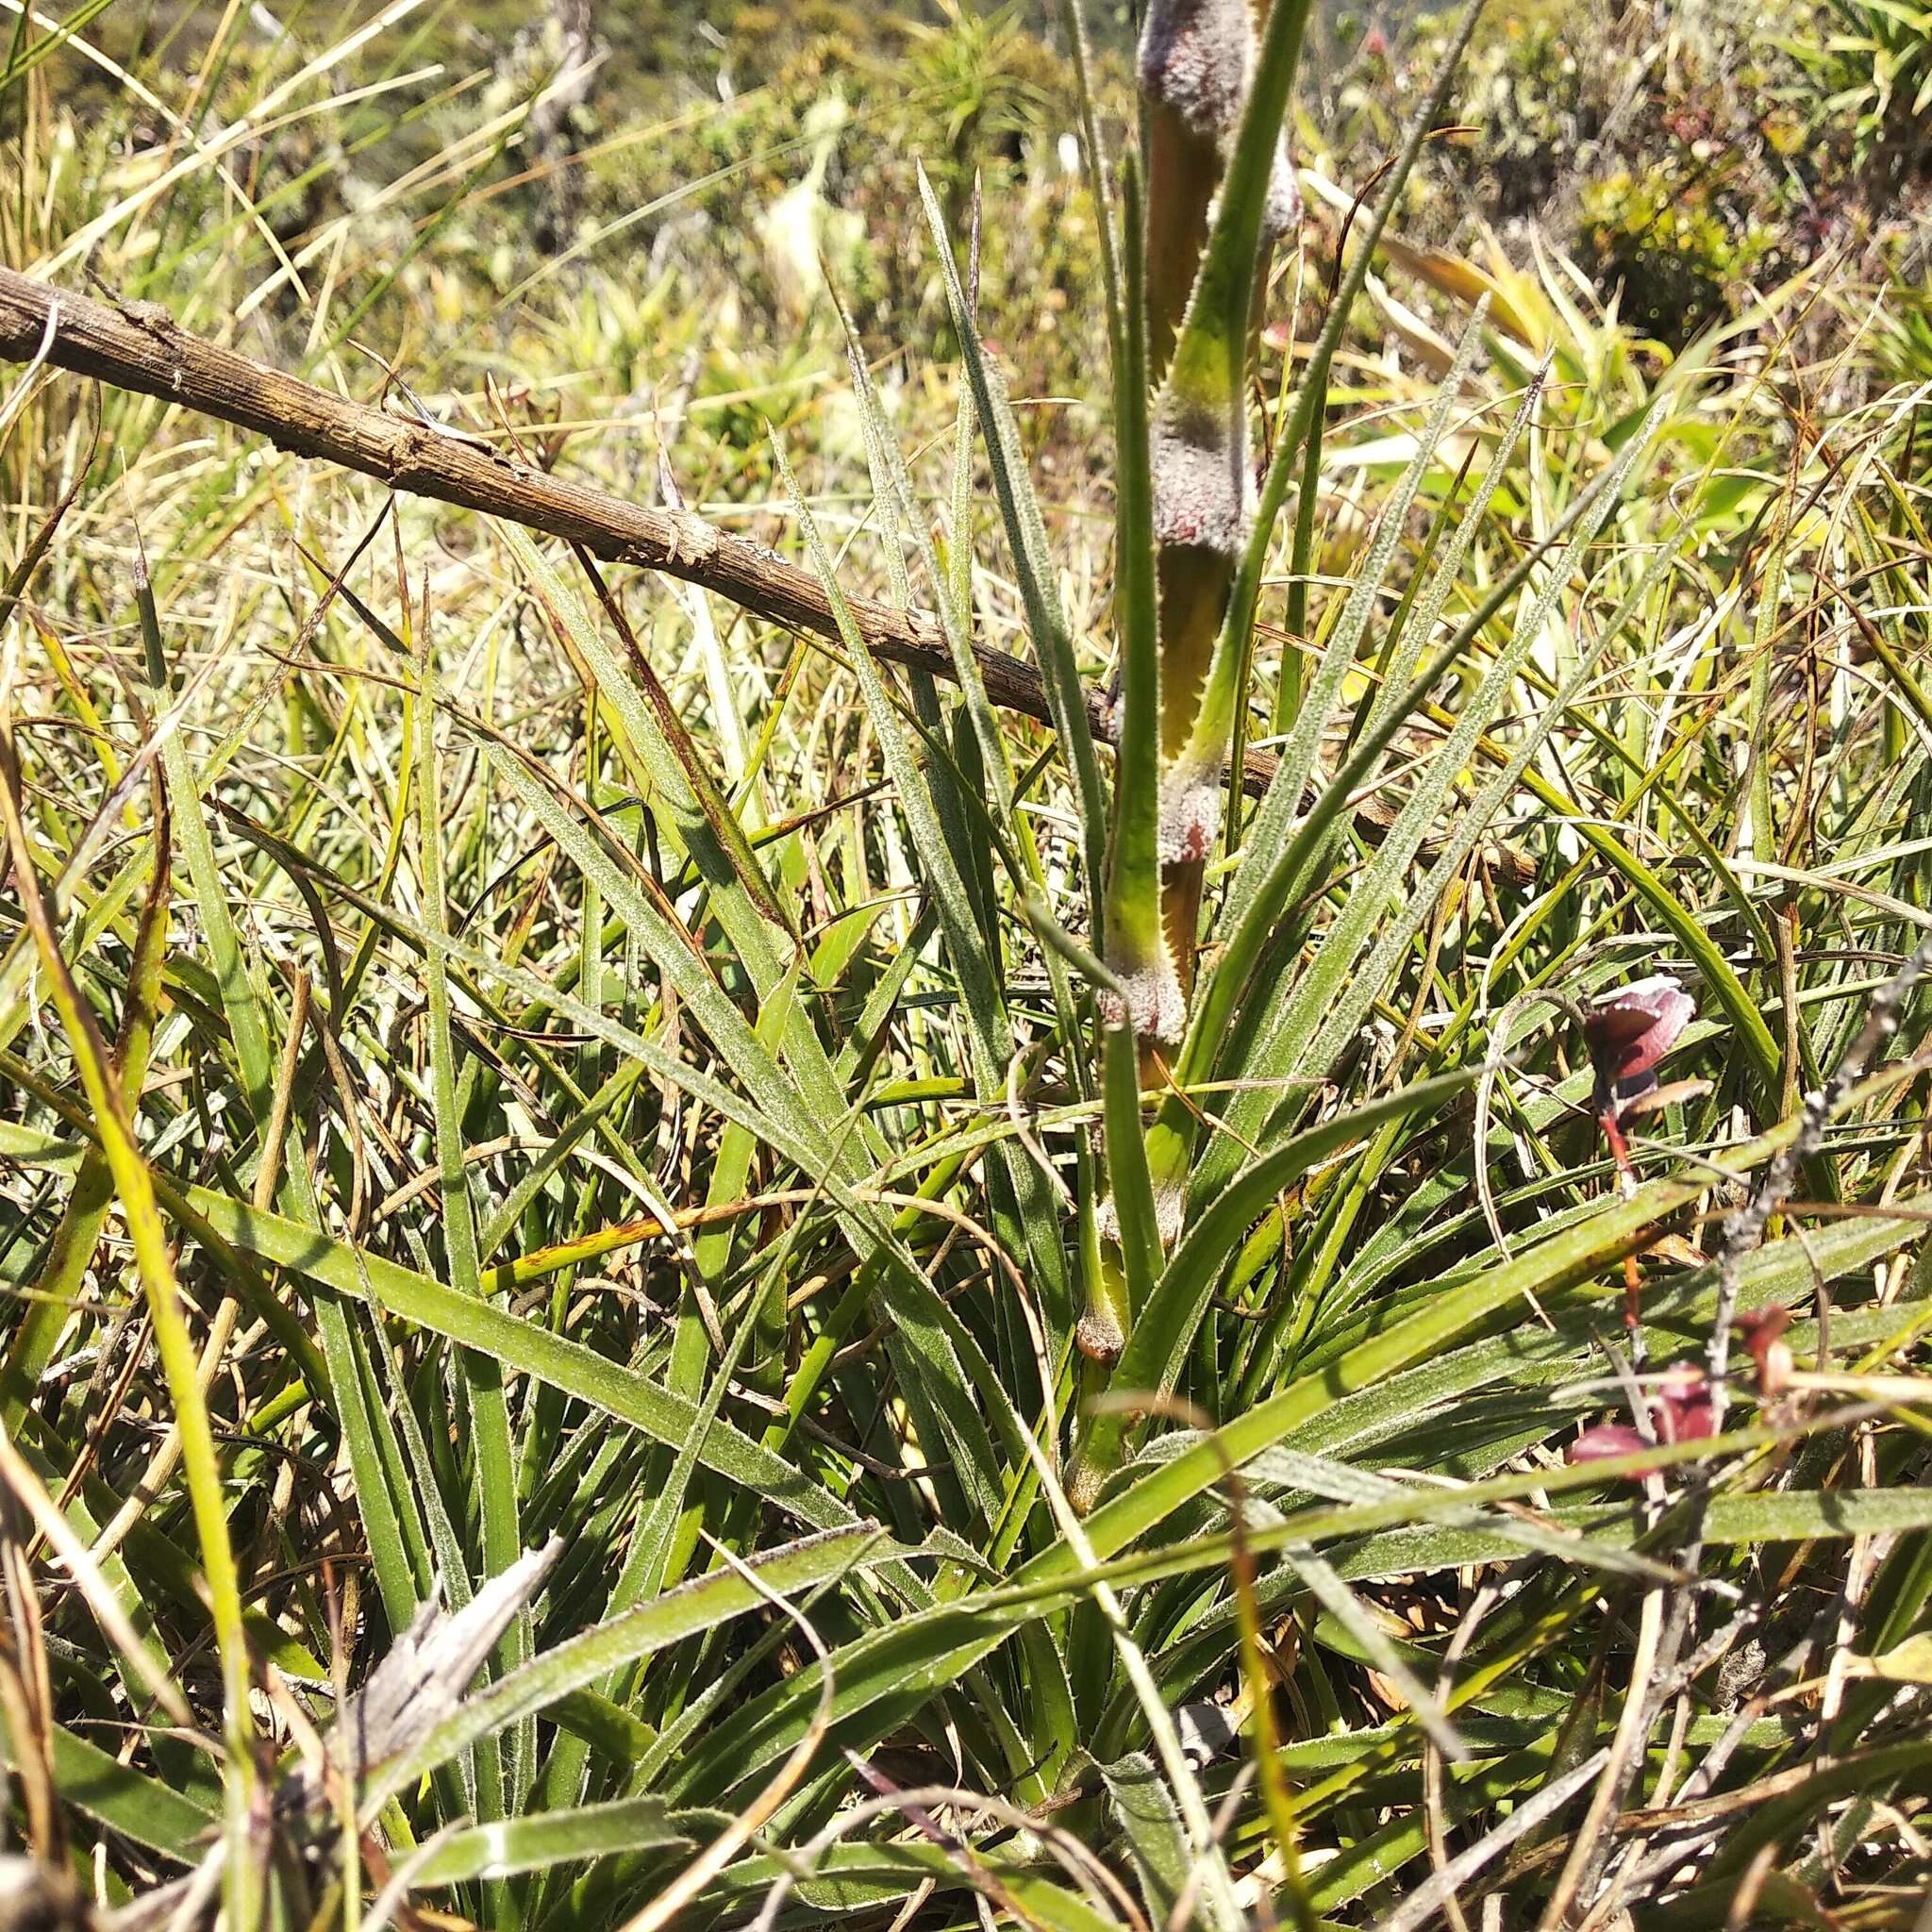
139	346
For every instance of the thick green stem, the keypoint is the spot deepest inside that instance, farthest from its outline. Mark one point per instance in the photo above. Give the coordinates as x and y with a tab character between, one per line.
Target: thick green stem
1208	86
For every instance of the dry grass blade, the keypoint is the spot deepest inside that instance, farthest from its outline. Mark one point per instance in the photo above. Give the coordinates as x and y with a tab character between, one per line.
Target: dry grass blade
136	1189
81	1565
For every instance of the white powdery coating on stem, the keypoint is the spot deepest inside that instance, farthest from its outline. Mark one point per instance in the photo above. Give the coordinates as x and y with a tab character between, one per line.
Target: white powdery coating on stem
1170	1210
1098	1336
1155	1005
1190	816
1203	492
1196	56
1281	214
1107	1223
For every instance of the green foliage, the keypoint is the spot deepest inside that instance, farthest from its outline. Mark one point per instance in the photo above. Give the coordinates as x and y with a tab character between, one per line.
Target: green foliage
1872	64
1669	252
1685	161
1903	343
596	1074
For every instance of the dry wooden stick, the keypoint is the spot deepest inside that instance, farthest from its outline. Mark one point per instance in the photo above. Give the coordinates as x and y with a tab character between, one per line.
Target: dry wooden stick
137	345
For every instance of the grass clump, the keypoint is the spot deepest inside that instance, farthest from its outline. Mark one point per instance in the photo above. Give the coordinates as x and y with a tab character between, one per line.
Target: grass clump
659	1273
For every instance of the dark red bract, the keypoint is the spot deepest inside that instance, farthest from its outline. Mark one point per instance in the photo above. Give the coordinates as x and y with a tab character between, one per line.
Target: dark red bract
1631	1030
1682	1409
1679	1413
1762	1331
1606	1440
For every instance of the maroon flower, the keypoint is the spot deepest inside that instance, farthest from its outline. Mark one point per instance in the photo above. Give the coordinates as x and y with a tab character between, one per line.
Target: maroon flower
1682	1409
1630	1031
1679	1413
1606	1440
1761	1331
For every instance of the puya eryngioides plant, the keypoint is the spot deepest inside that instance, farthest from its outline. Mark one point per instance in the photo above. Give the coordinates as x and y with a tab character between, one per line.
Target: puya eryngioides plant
1236	991
1194	534
1218	994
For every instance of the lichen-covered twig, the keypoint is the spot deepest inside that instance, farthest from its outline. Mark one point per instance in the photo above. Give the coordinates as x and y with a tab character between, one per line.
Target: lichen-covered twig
1744	1229
1743	1232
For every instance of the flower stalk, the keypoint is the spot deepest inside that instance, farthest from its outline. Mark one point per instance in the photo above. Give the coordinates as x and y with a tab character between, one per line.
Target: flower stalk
1218	196
1216	95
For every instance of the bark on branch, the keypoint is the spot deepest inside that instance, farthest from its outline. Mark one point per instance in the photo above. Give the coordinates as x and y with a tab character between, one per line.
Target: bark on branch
139	346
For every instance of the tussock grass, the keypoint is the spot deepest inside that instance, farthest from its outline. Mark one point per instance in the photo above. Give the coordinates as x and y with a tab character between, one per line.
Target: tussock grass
1038	1363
